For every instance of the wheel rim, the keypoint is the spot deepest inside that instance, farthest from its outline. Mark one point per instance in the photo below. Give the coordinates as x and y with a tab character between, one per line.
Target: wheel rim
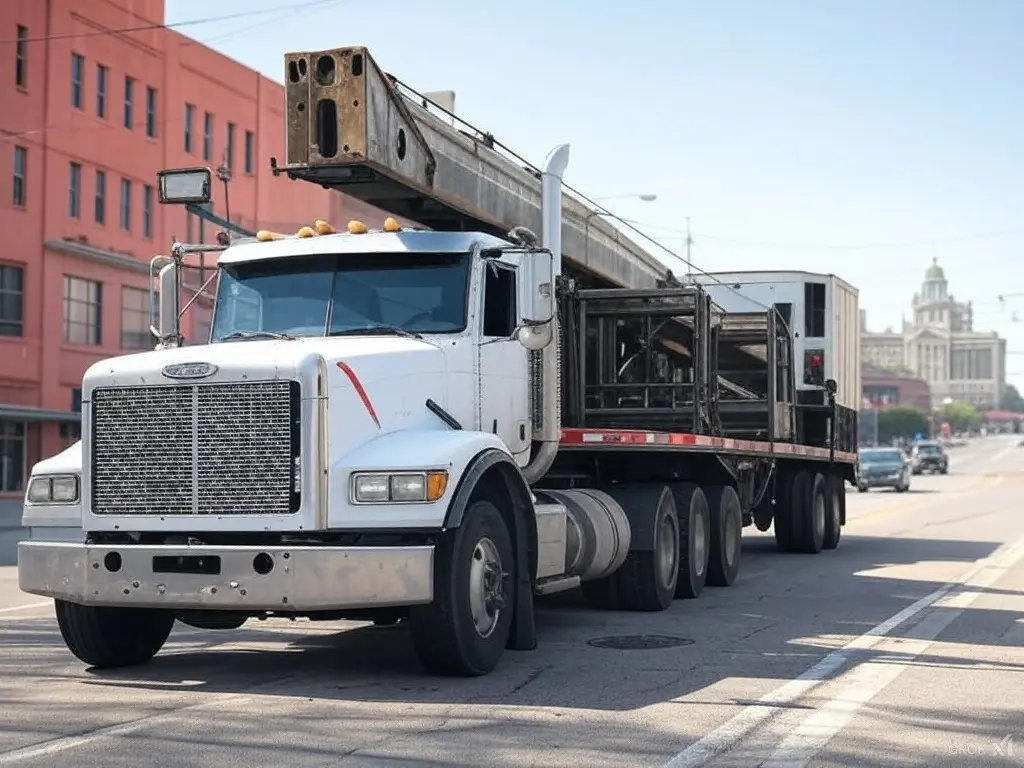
731	540
700	547
668	551
486	587
819	515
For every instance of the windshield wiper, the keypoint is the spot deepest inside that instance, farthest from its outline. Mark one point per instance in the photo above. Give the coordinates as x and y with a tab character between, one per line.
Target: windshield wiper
372	329
248	335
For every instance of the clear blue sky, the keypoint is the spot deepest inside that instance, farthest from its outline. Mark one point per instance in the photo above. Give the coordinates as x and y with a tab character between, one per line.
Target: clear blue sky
862	137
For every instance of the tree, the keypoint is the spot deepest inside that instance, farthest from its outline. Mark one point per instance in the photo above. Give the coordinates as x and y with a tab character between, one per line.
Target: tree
901	421
1012	401
960	416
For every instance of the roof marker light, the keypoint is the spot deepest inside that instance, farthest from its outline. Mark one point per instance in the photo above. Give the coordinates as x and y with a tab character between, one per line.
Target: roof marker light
323	227
392	225
265	235
305	232
356	228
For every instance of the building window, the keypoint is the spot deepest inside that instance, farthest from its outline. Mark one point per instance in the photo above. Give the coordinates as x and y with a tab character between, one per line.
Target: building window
207	136
102	74
150	112
20	168
129	95
82	308
21	57
135	318
74	190
229	147
77	77
12	291
12	456
70	433
147	211
126	205
250	151
190	113
100	204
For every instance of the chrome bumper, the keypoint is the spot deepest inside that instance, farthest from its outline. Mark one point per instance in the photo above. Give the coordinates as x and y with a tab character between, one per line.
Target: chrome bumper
228	578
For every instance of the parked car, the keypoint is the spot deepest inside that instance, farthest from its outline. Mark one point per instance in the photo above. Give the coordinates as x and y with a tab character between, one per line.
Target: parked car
930	456
883	468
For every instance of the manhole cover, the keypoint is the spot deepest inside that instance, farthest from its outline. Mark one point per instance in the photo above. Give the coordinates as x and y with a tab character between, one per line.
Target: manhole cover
639	642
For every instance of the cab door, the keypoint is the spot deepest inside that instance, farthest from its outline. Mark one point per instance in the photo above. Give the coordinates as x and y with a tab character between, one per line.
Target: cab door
504	401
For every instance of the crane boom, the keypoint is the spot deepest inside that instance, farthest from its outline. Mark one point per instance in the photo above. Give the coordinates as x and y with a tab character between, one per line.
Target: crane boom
351	128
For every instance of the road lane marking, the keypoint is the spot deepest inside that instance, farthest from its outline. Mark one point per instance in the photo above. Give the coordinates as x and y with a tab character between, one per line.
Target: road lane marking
26	607
732	731
870	678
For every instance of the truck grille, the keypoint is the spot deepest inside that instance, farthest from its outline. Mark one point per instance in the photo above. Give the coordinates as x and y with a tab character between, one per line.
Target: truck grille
213	449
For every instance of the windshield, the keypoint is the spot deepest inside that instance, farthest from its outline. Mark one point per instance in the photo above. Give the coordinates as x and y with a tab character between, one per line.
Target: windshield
881	456
311	296
929	448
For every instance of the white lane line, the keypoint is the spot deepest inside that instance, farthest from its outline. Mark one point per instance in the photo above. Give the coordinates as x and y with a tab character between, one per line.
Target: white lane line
868	679
730	732
26	607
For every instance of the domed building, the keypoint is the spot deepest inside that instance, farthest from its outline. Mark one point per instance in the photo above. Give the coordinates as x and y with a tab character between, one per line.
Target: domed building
941	347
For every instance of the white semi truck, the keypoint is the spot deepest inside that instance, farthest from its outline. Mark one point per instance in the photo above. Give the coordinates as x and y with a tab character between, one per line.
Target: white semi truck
435	426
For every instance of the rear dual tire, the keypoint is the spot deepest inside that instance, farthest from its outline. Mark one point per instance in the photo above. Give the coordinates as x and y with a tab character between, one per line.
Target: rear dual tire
808	517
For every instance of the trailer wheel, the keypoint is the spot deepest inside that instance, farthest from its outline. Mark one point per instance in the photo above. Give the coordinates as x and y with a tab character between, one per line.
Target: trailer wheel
647	579
463	632
834	521
813	514
787	511
694	539
726	516
107	638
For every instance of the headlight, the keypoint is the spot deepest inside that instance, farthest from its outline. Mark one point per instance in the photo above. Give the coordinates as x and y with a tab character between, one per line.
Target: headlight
398	487
53	489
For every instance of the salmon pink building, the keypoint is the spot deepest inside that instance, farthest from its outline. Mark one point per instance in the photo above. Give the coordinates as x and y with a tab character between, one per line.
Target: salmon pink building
95	98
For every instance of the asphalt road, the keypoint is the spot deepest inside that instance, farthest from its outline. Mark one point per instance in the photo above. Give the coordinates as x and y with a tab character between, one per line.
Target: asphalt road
904	647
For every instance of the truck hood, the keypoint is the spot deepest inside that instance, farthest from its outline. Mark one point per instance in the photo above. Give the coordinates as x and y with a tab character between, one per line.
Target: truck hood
269	359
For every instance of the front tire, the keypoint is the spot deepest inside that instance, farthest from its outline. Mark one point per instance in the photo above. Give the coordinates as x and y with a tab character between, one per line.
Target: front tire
108	638
464	631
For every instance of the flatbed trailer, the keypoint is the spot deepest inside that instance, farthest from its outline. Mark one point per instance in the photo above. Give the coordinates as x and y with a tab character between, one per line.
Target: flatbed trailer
532	430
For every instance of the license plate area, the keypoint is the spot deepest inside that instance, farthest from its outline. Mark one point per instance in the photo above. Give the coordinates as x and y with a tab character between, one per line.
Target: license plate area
198	565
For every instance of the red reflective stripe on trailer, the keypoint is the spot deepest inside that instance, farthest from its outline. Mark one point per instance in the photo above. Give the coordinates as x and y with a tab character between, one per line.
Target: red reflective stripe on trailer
344	368
574	436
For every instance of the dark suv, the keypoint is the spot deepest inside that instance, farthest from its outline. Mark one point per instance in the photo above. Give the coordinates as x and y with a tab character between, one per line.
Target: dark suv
929	456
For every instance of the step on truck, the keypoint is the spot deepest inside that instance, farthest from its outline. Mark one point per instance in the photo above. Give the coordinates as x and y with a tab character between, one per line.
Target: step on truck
434	425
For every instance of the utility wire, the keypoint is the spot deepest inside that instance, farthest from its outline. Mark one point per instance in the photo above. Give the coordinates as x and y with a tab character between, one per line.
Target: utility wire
149	27
494	143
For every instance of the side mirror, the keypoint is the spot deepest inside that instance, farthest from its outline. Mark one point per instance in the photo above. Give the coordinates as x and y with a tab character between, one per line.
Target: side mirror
169	307
831	387
183	185
537	299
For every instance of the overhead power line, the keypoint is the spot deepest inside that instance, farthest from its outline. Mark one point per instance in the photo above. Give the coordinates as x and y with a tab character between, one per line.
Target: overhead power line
150	27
